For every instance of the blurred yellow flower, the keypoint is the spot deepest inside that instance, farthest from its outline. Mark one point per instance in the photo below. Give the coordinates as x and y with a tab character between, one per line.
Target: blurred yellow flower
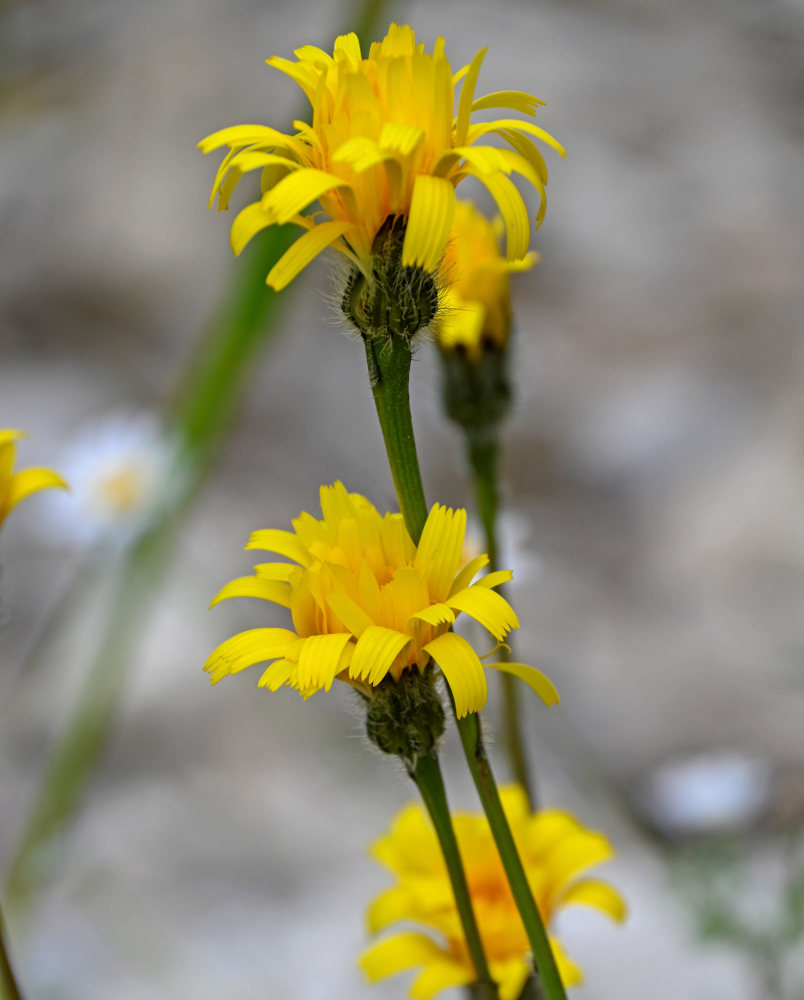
476	299
383	144
16	486
367	603
556	851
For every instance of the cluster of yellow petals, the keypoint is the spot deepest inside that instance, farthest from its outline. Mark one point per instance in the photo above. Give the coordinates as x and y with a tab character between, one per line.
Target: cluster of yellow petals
367	603
476	298
16	486
556	851
385	141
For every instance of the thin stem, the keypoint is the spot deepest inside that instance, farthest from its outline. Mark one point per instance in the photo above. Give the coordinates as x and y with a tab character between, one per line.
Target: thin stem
483	451
9	990
389	372
429	780
472	740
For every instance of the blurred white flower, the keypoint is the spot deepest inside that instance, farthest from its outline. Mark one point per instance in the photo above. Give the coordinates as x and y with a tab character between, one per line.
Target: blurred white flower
121	469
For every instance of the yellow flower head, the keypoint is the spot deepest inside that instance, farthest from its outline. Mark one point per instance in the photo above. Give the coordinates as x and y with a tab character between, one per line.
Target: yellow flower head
383	145
367	604
556	851
476	301
16	486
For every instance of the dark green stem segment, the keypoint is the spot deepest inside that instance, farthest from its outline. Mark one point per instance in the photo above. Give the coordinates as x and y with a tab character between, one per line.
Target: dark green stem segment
483	451
389	371
427	774
9	990
475	752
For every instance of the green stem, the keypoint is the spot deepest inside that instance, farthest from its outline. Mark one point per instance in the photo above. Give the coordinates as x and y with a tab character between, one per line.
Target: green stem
389	372
472	740
483	451
429	780
9	990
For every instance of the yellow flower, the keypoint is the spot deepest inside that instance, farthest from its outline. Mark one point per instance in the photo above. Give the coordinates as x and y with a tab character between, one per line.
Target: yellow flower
16	486
556	851
367	603
383	144
476	301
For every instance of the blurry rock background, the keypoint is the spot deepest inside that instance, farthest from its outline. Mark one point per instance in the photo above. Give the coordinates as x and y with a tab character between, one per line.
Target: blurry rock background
653	468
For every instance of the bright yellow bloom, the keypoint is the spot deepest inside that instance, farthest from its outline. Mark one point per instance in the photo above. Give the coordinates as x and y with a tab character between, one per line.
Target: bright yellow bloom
383	144
16	486
556	851
476	300
367	603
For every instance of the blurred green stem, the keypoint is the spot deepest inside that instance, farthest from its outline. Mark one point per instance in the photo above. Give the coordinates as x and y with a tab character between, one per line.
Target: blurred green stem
389	373
207	398
430	782
394	413
7	981
470	731
482	446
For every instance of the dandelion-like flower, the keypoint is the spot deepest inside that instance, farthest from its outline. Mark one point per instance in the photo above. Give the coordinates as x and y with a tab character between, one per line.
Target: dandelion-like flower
384	144
556	851
121	468
16	486
369	605
475	312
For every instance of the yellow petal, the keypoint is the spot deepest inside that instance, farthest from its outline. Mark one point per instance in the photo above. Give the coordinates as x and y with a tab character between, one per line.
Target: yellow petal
577	853
303	251
511	976
305	74
467	97
319	660
440	975
462	670
350	44
274	571
432	208
540	682
483	128
276	675
496	578
29	481
439	551
248	222
526	148
487	607
468	573
376	650
597	894
298	190
396	954
436	614
349	612
247	648
245	135
284	543
516	100
569	971
255	586
391	906
514	213
8	438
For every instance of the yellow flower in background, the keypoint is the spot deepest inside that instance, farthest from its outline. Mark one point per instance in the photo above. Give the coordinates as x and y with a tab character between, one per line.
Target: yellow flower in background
367	604
556	851
476	298
384	143
16	486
